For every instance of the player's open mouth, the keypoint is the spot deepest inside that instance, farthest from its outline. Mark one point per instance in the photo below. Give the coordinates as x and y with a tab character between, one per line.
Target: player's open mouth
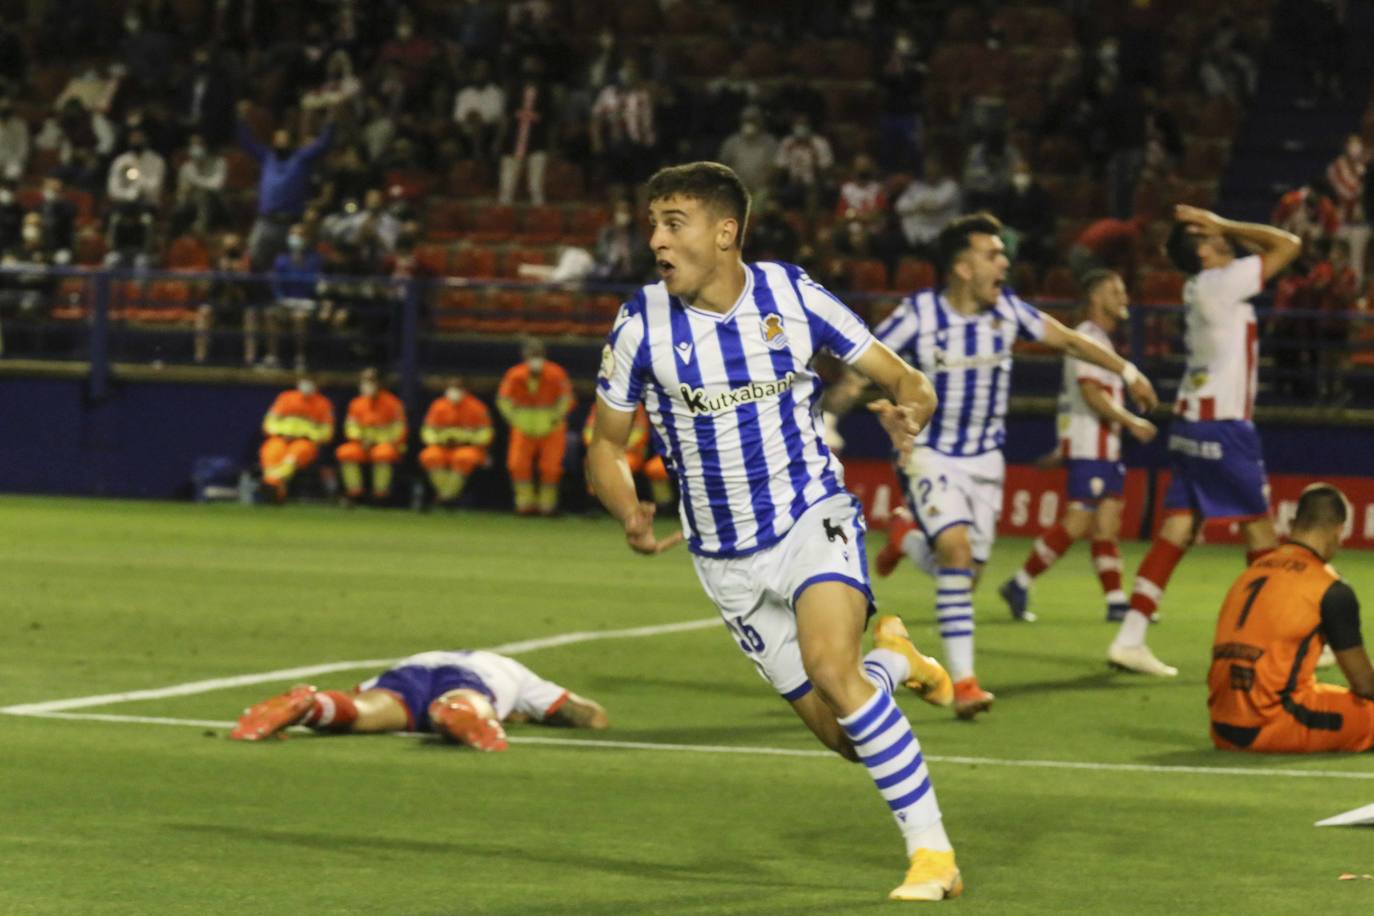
665	269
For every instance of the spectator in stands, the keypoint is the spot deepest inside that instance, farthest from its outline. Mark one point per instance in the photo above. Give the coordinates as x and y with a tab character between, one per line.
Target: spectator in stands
296	276
1109	244
14	141
477	110
146	53
375	430
94	90
804	162
728	95
535	397
902	80
340	87
371	227
526	131
927	205
14	57
283	187
1227	70
409	50
299	421
72	127
622	128
752	152
200	190
229	300
346	176
1337	291
1163	139
1028	218
862	195
1347	176
57	215
457	433
26	295
622	252
204	103
770	237
987	169
11	216
1308	212
134	189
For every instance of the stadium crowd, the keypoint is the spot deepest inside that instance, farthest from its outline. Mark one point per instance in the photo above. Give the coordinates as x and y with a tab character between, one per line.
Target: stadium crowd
383	130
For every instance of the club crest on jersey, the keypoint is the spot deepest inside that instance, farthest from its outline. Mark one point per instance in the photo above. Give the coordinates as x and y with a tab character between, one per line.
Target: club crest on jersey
774	334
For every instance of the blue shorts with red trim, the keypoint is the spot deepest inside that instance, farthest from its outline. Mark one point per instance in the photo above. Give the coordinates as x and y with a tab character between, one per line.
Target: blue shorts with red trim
1217	468
1093	479
417	686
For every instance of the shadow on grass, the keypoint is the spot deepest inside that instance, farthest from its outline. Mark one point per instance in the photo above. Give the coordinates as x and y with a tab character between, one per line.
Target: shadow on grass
708	871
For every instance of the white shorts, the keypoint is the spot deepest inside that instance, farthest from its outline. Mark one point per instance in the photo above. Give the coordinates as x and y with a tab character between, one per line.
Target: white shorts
756	594
943	491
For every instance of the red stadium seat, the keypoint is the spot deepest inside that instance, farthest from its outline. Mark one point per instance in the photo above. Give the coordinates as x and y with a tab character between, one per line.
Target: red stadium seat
563	181
585	224
1161	287
542	225
433	258
867	275
1059	284
241	170
513	259
914	274
188	253
493	223
468	178
474	261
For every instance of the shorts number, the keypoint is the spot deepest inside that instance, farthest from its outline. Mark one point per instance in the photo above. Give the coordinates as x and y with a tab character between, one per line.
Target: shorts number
925	485
749	638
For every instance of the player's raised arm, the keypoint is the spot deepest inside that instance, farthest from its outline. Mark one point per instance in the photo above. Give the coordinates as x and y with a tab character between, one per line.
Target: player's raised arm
911	398
613	484
1277	248
1080	346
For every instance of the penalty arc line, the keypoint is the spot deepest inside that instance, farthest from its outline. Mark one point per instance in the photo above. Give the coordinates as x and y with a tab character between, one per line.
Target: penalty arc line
243	680
747	750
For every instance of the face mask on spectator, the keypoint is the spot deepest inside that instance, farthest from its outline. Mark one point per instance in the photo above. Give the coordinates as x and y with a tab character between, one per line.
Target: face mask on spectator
902	45
403	32
453	393
197	152
49	194
295	242
1354	149
305	386
536	364
367	389
622	219
749	128
6	196
32	233
801	131
1021	181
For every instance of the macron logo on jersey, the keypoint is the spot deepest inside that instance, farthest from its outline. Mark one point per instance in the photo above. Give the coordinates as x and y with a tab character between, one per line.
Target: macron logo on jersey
699	402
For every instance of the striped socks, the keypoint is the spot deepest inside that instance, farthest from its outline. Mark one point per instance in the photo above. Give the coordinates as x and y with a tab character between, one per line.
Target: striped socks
883	740
1050	546
1107	562
954	612
886	669
333	711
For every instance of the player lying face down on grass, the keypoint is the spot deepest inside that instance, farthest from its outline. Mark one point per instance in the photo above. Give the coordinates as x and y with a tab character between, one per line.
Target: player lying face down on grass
462	696
720	353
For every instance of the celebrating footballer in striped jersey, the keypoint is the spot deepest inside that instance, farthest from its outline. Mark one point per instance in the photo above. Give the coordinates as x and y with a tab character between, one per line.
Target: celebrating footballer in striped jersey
1091	415
961	334
720	353
1214	451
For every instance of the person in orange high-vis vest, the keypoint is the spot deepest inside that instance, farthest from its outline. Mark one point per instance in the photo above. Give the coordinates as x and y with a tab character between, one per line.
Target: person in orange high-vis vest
376	432
299	422
637	455
534	398
457	433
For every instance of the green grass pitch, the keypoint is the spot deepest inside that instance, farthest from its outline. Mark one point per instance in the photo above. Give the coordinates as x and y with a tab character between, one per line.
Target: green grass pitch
116	817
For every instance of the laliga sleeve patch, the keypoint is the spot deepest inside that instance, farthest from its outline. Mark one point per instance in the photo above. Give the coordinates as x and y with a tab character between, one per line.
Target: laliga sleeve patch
607	362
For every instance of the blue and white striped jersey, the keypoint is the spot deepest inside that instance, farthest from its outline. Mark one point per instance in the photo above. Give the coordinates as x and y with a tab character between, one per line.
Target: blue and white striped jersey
735	400
968	361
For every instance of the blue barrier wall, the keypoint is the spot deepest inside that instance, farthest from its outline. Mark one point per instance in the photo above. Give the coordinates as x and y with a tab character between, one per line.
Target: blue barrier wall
143	437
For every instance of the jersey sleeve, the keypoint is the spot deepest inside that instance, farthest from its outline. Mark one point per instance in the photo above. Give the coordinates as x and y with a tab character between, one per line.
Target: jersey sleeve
1084	371
1030	321
1236	282
1341	617
620	380
834	326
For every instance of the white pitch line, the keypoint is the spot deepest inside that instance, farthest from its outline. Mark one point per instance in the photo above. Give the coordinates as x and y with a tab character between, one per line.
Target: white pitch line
755	751
243	680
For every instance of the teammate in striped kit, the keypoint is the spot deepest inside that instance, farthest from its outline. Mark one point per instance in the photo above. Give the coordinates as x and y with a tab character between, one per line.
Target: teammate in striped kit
461	695
1214	451
1091	416
720	353
962	335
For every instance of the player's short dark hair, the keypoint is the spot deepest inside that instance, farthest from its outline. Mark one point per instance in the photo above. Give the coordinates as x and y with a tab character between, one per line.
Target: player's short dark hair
1181	247
713	184
1320	506
954	238
1091	280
